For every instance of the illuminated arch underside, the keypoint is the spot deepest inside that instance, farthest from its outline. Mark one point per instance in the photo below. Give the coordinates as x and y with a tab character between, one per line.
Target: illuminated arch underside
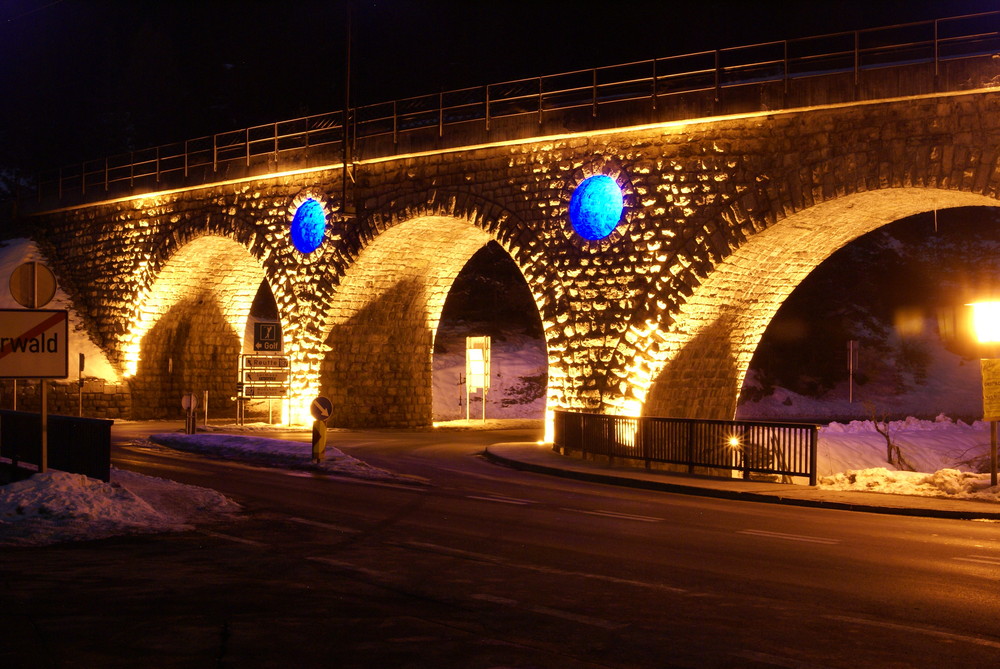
700	363
384	318
189	327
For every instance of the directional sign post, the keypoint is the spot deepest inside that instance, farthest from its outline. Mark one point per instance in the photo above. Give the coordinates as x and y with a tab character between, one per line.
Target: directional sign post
263	376
34	343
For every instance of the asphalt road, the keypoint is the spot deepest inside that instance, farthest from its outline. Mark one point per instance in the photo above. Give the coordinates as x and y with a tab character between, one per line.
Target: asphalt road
484	566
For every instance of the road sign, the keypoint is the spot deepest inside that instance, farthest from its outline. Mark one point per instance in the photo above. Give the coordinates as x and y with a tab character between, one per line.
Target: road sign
321	408
32	285
34	343
263	378
266	361
267	337
264	392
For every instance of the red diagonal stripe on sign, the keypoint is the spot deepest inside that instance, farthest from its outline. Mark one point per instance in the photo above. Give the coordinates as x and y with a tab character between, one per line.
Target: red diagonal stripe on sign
54	319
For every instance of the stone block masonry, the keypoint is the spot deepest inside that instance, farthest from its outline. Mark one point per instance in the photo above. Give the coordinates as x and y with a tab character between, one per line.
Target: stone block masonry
723	218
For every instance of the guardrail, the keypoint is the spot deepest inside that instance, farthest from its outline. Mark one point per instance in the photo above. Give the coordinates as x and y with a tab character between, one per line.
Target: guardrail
750	447
665	86
76	445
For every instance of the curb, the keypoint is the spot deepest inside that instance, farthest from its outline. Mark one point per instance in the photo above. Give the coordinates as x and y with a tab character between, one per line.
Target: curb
738	495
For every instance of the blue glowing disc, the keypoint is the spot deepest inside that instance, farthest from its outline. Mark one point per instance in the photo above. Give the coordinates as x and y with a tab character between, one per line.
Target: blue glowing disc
596	207
308	226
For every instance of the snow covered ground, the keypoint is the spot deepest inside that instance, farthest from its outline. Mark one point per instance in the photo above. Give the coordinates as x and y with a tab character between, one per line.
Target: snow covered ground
57	506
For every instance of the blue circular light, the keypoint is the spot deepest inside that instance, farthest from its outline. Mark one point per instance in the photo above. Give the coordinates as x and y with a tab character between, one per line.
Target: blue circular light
308	226
596	207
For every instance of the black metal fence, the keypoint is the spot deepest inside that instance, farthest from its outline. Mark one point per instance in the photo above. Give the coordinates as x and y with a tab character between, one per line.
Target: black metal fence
750	447
76	445
908	59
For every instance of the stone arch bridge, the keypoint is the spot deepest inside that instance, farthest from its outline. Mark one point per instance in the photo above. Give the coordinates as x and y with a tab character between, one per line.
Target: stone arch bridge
723	217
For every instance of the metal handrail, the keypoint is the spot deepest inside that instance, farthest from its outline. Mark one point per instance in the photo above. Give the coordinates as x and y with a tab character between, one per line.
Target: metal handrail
750	447
653	79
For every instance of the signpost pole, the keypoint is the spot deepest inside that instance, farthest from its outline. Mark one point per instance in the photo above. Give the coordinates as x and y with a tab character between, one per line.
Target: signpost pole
44	464
993	453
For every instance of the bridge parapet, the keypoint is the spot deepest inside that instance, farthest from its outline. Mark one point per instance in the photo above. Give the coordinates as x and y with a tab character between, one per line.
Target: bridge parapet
948	54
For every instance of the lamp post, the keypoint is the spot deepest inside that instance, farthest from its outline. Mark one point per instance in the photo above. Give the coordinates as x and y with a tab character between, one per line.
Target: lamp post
986	324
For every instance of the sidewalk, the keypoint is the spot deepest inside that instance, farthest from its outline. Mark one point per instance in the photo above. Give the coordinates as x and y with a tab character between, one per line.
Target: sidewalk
541	459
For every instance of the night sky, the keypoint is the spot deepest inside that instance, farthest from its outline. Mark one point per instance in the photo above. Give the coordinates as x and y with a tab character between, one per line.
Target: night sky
86	78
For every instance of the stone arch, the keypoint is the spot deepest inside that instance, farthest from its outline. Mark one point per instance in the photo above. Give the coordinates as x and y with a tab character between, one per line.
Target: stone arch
188	326
696	367
384	318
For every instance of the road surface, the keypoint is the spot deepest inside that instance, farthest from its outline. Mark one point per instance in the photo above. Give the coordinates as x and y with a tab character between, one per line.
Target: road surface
483	566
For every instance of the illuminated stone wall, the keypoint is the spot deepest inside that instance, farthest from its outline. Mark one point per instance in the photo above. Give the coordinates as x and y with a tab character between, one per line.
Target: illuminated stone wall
723	218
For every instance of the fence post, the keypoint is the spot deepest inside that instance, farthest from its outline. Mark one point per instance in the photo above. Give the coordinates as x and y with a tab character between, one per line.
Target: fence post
937	60
813	454
655	84
487	108
857	62
717	77
690	448
594	91
395	124
540	99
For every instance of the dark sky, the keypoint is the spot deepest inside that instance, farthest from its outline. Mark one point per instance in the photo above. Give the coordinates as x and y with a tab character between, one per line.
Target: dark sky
85	78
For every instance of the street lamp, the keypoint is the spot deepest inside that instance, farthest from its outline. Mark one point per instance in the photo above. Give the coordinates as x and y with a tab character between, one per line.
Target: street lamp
986	324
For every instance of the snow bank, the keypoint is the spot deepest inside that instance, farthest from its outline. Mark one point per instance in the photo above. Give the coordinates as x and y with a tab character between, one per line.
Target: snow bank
274	452
58	506
949	483
928	446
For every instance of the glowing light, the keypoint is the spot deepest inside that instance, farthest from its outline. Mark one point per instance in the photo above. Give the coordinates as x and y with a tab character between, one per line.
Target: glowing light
596	207
986	322
308	226
734	442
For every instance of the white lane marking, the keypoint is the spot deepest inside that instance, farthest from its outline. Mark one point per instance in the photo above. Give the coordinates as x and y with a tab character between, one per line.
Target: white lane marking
620	516
340	564
776	661
502	500
229	537
492	559
325	526
930	631
790	537
980	559
556	613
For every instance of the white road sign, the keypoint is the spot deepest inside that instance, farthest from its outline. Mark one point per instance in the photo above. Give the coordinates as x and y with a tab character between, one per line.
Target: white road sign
34	343
262	378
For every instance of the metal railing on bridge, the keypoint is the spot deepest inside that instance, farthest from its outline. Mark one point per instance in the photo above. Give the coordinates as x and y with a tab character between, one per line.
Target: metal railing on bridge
660	89
750	447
